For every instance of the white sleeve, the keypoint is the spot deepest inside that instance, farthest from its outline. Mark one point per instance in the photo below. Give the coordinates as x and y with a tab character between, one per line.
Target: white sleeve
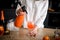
41	13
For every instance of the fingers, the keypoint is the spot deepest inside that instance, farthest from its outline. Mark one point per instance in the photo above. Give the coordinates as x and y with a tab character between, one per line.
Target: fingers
33	32
21	13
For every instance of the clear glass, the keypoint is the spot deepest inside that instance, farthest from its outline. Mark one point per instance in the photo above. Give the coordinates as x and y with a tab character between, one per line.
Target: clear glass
56	32
30	27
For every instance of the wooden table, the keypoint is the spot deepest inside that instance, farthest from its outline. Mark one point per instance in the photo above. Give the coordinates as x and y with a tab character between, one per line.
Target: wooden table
22	34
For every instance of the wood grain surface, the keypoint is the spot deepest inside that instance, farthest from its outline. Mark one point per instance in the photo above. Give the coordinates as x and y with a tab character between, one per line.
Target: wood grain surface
22	34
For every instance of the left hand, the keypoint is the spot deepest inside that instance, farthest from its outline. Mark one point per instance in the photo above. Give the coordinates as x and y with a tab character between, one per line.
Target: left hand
33	32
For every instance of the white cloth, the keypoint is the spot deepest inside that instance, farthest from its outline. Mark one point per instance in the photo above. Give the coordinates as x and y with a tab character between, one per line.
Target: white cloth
37	11
11	27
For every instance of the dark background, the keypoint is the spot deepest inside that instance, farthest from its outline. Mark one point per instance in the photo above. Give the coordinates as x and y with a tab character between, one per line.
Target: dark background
6	4
52	19
9	10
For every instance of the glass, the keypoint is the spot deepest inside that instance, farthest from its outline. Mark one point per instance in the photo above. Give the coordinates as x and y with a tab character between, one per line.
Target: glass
31	27
56	32
57	36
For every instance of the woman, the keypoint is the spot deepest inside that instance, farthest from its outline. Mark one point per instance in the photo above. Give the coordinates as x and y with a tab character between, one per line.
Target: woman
36	13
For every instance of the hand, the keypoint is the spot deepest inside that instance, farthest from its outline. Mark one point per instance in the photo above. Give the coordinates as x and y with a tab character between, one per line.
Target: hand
33	32
20	12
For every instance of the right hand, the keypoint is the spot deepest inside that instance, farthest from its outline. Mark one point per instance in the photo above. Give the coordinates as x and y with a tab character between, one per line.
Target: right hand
20	12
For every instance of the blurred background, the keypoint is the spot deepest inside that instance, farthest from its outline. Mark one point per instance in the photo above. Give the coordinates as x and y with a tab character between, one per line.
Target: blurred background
53	16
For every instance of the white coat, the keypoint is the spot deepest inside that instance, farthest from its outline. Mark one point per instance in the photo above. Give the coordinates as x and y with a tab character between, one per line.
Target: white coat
37	11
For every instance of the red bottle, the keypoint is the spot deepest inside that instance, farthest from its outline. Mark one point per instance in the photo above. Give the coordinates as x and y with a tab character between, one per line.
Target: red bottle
2	23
